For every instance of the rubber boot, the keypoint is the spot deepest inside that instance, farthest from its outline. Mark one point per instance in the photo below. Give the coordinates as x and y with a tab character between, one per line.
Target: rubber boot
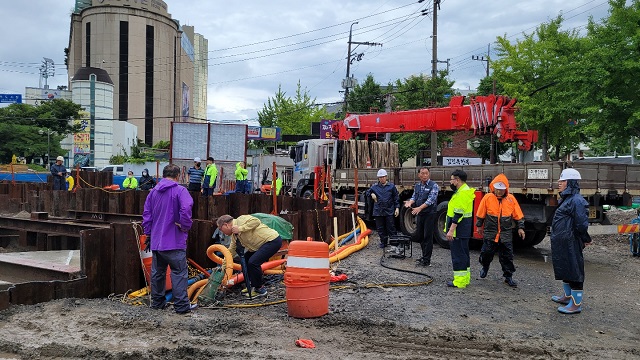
564	300
575	304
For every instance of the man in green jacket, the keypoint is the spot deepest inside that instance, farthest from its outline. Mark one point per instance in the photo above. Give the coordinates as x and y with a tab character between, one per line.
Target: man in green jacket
242	185
130	183
210	175
459	228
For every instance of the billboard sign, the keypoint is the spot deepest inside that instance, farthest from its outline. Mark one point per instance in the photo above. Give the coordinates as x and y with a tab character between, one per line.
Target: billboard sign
325	129
264	133
11	98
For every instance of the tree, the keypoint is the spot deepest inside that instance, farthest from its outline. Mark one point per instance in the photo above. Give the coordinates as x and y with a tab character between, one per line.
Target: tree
366	97
292	115
29	131
610	72
540	71
486	86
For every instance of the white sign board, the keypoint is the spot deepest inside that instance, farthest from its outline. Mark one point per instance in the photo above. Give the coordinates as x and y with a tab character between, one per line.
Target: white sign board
460	161
538	174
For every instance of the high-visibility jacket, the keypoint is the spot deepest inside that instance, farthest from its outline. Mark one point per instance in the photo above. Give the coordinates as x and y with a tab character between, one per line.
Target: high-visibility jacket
241	173
278	186
210	175
71	182
460	211
496	214
130	183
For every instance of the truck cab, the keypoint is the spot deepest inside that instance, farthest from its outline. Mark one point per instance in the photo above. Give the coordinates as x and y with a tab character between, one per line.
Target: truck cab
308	156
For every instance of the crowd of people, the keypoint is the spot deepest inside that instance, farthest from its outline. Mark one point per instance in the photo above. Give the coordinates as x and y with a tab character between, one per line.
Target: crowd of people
167	220
498	216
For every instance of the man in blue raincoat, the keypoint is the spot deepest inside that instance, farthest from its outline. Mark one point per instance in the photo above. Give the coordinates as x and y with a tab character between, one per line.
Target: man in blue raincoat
568	237
386	206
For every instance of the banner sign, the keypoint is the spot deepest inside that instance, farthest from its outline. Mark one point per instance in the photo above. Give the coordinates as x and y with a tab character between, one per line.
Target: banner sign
263	133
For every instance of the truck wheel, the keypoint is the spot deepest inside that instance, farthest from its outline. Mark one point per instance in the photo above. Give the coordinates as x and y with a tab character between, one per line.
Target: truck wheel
532	237
307	194
440	235
407	222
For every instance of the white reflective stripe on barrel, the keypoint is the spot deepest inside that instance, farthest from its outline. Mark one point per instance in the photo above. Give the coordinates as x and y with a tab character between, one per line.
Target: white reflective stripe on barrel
308	263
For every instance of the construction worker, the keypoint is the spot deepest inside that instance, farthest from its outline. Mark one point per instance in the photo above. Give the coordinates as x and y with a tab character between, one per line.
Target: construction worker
278	184
568	237
210	175
146	182
130	182
424	202
386	206
241	178
459	228
494	218
260	242
59	173
195	175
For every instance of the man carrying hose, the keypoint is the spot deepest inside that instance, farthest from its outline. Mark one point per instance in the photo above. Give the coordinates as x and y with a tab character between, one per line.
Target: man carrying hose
261	243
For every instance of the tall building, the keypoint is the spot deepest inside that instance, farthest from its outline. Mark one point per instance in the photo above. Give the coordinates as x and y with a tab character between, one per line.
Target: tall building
200	72
147	55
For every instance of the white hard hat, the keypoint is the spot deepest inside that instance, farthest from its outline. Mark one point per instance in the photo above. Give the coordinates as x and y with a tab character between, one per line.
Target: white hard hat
59	158
500	186
570	174
197	160
382	172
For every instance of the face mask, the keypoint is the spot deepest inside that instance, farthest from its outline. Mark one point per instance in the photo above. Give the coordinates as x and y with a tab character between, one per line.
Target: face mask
453	187
130	176
144	173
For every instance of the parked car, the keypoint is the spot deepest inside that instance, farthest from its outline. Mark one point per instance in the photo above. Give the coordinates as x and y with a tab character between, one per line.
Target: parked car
89	169
116	169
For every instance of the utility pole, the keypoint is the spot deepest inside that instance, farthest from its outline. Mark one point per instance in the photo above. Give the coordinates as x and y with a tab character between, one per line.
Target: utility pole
47	69
349	82
434	74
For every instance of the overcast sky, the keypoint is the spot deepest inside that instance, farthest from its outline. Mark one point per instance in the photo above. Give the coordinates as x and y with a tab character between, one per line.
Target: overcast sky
255	46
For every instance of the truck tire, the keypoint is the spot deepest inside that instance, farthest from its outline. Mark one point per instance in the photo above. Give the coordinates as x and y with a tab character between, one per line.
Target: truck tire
439	234
531	237
307	194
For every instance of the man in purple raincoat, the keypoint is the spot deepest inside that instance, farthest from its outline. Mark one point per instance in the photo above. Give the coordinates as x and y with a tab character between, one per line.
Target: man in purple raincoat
166	221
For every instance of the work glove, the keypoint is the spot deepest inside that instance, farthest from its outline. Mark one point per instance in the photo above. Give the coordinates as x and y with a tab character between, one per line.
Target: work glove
374	197
396	213
147	244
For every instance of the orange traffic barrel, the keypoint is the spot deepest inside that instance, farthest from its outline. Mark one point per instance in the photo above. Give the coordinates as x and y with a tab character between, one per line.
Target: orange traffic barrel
307	279
147	260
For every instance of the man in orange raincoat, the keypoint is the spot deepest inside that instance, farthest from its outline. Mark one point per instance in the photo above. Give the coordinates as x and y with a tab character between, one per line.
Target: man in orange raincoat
496	215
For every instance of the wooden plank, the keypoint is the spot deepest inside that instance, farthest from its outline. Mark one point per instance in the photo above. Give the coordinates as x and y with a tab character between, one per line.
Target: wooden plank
130	202
218	205
5	296
127	274
240	205
33	292
199	241
96	261
142	197
308	227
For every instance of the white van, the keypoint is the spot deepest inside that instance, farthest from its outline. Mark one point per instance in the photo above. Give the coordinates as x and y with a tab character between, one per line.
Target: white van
116	169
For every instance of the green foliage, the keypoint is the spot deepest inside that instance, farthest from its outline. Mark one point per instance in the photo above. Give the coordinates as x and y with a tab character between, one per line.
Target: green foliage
292	115
24	128
366	97
486	86
540	71
610	72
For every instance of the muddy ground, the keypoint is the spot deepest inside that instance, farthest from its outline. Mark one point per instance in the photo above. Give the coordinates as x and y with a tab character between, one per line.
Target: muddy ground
486	320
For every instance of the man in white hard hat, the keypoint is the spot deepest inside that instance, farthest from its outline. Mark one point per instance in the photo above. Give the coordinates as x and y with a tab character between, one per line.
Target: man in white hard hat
386	205
568	237
195	175
59	173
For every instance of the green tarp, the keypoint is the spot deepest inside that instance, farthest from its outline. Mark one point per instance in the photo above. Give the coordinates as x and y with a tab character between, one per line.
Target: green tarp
282	226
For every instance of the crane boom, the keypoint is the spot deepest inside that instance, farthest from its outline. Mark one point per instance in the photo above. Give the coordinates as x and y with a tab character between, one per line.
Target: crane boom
493	114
